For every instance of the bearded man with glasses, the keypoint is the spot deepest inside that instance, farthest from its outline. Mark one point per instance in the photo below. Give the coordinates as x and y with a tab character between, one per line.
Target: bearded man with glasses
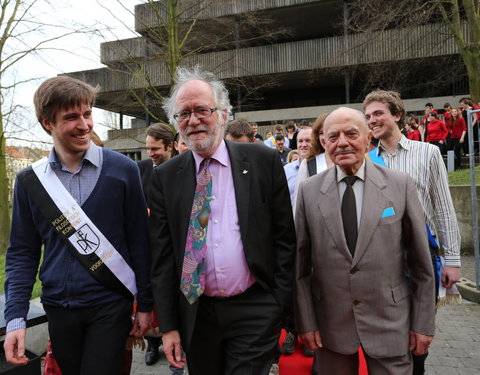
222	239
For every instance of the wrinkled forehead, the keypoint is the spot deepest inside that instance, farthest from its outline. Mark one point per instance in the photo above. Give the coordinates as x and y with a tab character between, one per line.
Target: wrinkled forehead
194	92
345	119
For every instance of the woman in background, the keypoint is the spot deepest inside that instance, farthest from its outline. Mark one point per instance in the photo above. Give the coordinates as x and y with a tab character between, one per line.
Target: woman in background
412	130
317	160
458	129
437	131
292	156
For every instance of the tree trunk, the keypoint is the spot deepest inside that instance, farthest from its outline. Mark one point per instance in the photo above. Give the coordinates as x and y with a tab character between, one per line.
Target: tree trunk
472	62
4	206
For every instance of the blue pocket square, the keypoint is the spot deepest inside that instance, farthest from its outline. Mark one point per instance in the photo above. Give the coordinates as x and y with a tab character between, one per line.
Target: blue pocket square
388	212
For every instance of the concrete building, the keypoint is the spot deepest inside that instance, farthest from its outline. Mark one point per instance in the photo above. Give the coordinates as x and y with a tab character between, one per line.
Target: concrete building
298	62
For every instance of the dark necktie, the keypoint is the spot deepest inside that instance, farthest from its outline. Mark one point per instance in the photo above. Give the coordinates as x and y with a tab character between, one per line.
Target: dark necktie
193	270
349	214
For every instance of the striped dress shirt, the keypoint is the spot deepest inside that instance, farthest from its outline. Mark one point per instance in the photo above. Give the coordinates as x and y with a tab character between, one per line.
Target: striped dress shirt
424	163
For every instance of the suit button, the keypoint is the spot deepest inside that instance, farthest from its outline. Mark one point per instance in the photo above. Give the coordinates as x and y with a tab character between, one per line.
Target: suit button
353	270
356	302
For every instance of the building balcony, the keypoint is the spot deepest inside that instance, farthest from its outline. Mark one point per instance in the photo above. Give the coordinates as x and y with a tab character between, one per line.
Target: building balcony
147	18
127	50
282	58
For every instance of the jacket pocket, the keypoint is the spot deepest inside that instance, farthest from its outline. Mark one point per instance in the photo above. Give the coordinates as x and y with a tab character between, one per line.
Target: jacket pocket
400	292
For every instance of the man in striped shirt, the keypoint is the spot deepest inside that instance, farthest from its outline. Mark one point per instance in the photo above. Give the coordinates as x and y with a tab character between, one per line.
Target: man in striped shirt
385	113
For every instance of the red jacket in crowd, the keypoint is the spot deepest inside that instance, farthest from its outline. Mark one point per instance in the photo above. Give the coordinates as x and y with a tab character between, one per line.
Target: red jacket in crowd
414	135
436	131
458	127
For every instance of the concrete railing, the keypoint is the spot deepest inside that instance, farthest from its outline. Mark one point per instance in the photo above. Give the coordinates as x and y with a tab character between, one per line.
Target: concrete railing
462	202
127	50
146	18
305	55
127	140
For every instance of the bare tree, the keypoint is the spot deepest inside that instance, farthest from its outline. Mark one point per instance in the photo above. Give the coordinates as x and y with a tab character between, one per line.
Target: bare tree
22	34
372	17
181	31
469	46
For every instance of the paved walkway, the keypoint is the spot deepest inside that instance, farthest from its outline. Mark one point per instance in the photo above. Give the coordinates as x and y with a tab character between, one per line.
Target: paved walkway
455	349
139	367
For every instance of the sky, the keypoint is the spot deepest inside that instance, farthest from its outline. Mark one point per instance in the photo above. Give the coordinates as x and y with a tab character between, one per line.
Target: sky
112	18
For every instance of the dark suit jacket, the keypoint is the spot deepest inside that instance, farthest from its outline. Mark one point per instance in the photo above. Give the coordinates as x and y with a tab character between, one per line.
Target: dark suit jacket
146	169
266	226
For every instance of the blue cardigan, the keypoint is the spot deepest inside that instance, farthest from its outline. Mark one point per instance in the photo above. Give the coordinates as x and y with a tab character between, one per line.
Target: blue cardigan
117	207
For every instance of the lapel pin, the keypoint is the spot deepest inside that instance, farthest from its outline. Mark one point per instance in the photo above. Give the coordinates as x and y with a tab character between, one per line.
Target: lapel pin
244	171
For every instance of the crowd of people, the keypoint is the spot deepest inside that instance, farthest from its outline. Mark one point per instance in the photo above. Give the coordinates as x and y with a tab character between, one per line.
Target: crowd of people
200	247
446	129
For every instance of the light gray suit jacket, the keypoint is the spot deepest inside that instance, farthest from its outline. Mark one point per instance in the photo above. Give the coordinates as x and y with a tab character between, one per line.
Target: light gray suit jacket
365	300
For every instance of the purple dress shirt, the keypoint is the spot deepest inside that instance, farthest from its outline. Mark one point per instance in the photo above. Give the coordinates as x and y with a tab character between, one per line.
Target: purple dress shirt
227	272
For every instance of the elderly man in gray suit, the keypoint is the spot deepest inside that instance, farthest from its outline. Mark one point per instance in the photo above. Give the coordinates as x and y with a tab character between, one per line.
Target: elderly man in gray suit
356	225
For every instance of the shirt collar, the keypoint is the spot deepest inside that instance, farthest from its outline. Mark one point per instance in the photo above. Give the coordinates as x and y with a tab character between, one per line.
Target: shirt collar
402	143
360	173
220	155
293	165
92	155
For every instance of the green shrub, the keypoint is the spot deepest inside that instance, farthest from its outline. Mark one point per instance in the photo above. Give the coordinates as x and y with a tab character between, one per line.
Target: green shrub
462	177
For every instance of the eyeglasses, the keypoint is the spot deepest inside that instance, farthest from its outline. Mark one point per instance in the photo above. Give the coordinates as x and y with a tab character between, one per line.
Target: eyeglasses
198	113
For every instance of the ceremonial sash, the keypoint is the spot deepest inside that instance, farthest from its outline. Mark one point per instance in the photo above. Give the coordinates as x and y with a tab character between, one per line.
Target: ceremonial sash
376	158
82	237
312	167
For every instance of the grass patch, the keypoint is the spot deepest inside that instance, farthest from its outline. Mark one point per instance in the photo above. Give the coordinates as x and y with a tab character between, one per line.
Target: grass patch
37	287
462	177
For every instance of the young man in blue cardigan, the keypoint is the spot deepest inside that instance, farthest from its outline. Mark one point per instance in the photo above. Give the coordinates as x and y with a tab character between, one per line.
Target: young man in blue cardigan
85	205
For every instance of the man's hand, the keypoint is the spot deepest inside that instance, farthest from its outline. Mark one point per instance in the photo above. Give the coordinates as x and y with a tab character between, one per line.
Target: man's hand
14	347
450	275
173	349
142	322
419	344
312	340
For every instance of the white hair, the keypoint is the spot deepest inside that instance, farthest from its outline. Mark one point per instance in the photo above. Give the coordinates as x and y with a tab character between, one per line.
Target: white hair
184	75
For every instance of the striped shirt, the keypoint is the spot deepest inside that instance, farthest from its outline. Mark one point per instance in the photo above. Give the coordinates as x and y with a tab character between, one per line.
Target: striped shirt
424	163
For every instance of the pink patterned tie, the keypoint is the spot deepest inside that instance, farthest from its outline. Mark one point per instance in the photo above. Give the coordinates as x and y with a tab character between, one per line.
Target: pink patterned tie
193	270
